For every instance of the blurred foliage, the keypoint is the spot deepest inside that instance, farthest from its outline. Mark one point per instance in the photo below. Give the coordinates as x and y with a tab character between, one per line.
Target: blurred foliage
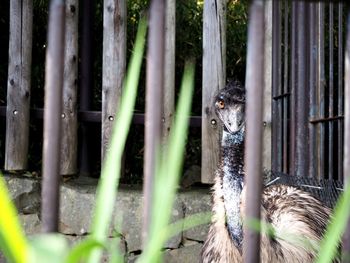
188	44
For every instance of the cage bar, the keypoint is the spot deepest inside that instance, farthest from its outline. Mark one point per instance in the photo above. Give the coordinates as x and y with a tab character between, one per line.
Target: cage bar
285	85
312	93
321	88
331	91
52	116
277	135
293	83
340	91
254	110
301	147
154	111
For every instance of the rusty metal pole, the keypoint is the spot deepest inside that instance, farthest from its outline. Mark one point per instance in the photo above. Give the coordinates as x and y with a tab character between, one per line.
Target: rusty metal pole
321	81
301	149
154	111
346	236
277	136
52	116
340	90
293	86
286	98
312	92
331	92
253	150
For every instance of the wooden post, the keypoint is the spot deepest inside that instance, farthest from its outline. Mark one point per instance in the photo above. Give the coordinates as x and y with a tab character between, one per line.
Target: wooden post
267	116
18	87
114	63
169	69
69	107
214	75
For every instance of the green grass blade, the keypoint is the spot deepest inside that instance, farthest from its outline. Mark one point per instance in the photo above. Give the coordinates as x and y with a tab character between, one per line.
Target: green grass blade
168	171
106	191
81	250
336	228
13	242
187	223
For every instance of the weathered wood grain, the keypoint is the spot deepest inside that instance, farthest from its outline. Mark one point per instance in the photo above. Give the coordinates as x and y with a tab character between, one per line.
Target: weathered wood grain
267	117
69	141
169	69
214	75
18	85
114	63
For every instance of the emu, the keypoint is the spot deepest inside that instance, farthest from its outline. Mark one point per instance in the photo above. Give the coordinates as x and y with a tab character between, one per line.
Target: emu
297	219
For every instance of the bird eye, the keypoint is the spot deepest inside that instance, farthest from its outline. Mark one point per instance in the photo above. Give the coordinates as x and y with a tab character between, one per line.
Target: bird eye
221	104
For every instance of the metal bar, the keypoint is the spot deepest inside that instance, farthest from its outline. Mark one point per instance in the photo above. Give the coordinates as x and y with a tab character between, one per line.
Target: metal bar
285	88
95	116
346	236
276	88
330	91
321	88
312	93
87	80
293	76
154	112
282	96
340	90
301	150
327	119
253	149
52	116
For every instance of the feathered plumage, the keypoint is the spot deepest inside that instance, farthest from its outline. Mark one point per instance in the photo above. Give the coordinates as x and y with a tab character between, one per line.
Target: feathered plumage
293	221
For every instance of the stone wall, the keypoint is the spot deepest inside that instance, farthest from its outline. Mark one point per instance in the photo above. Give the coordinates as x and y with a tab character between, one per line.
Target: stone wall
77	203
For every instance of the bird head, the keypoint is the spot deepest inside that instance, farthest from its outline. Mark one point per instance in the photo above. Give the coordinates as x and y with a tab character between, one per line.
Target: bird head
229	106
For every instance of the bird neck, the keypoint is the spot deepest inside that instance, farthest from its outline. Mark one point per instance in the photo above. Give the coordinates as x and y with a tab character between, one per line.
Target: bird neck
232	182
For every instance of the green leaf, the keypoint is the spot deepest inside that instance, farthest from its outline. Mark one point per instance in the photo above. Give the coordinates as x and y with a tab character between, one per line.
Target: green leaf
51	248
336	228
13	242
82	249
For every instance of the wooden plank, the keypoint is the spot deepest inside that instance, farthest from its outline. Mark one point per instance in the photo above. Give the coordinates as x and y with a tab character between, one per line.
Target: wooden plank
69	107
114	63
169	70
214	74
18	87
267	116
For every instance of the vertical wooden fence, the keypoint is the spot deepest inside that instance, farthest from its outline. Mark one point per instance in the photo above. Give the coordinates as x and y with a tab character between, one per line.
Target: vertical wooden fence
214	77
18	84
114	61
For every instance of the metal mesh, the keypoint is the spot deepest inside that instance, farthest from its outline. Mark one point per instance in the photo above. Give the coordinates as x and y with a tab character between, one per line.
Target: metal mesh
327	191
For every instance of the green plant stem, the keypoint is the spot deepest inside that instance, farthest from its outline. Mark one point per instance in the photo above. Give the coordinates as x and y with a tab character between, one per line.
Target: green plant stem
167	172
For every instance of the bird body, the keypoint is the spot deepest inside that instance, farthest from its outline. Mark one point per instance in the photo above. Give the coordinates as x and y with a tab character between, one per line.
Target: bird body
293	221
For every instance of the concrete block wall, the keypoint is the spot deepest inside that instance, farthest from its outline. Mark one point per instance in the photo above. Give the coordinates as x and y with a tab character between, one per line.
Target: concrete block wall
77	205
